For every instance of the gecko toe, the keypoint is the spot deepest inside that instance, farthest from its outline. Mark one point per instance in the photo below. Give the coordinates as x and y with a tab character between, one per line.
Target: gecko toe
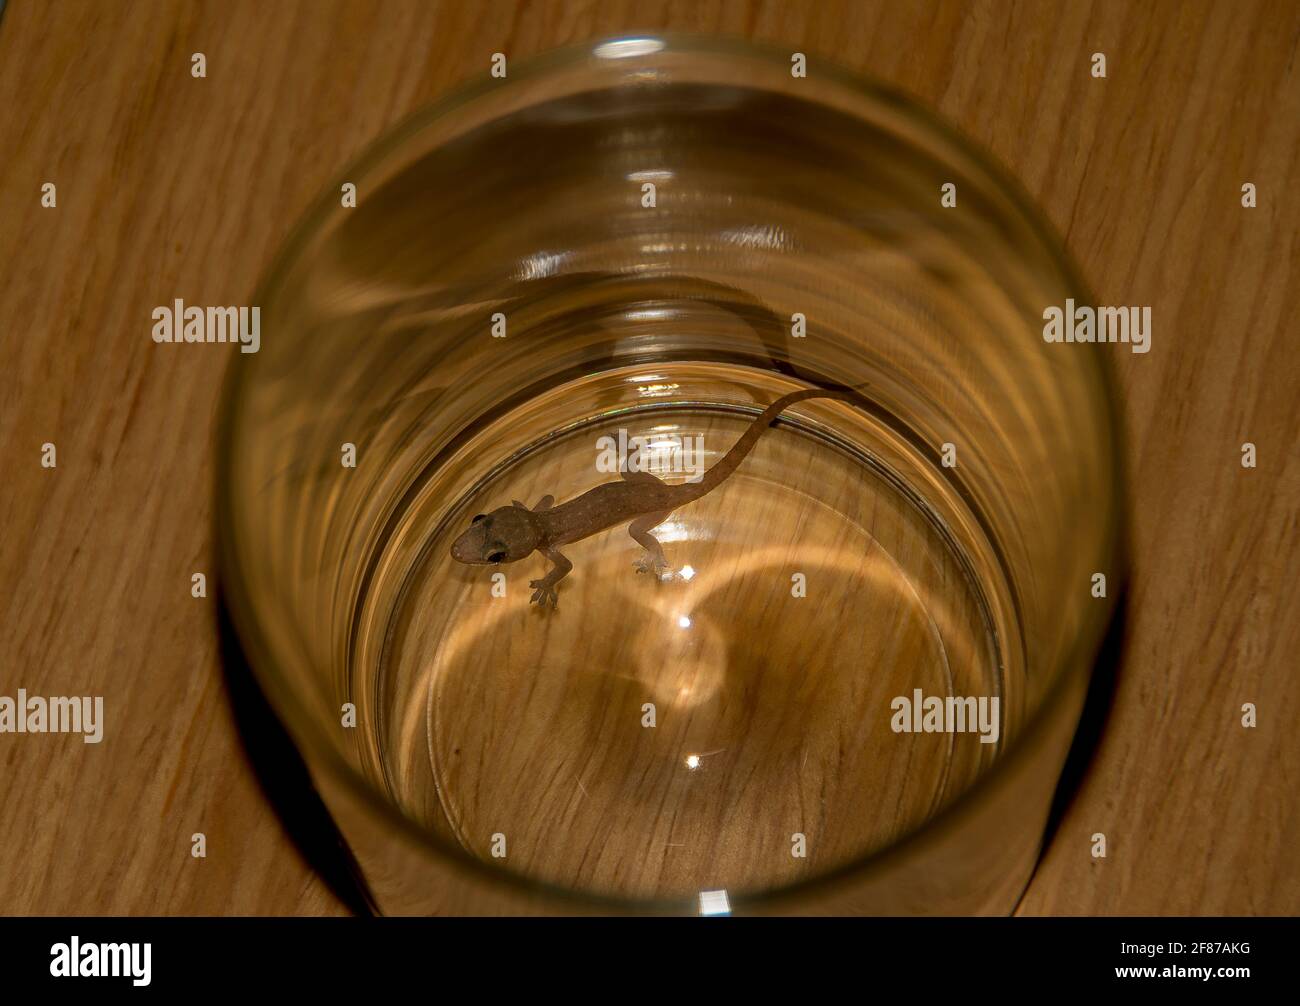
543	595
648	565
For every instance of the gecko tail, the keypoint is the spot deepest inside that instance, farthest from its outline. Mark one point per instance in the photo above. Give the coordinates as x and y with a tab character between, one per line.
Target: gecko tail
730	461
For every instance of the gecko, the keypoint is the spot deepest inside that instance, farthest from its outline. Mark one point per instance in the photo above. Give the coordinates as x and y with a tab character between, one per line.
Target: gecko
639	499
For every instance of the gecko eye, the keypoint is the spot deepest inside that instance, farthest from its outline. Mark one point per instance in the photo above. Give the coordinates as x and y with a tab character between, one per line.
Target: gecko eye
496	556
477	517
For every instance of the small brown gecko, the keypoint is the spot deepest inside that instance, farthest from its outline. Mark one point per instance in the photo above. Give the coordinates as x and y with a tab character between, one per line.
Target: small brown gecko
641	500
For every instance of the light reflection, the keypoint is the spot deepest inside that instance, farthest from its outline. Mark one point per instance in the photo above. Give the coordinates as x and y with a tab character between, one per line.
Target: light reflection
714	903
662	248
625	48
684	621
650	175
764	236
687	572
692	762
658	390
662	447
541	264
670	531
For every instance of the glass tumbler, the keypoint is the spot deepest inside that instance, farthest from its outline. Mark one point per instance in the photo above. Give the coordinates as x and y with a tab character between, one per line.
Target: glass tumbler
850	685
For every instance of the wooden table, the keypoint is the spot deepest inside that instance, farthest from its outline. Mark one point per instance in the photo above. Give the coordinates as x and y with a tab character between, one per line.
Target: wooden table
170	186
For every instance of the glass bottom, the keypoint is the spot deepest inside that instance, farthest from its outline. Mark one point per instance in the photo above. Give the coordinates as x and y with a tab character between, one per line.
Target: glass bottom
726	724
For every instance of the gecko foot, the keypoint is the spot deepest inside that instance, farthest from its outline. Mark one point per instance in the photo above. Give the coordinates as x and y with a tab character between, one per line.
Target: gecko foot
648	563
543	594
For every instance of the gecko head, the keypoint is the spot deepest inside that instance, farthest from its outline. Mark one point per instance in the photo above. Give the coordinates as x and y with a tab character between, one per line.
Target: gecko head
507	534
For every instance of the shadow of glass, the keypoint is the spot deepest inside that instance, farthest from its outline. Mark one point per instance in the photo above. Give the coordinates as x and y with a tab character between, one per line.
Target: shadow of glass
1097	707
283	776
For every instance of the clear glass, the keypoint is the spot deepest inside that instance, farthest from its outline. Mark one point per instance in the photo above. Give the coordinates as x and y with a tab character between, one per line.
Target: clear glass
728	724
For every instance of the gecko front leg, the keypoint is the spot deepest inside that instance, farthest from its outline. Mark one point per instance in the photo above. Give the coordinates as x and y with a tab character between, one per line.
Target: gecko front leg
544	592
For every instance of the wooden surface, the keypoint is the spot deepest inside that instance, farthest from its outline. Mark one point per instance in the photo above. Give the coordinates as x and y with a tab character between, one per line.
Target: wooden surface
174	187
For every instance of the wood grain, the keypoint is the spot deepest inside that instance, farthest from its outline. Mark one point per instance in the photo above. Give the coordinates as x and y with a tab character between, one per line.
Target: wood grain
174	187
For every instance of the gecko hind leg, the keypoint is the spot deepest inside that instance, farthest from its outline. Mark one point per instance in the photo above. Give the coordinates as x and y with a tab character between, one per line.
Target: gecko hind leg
654	558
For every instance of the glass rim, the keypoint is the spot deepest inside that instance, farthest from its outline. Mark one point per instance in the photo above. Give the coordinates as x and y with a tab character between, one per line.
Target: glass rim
316	748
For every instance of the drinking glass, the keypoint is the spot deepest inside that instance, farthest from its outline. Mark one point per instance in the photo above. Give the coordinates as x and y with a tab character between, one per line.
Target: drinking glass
642	242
